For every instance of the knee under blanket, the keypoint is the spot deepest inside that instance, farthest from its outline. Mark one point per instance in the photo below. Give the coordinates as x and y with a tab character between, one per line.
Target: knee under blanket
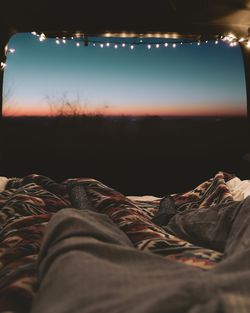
87	264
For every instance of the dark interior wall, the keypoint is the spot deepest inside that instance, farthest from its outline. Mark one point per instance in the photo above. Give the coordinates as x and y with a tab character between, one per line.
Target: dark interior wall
151	156
246	58
196	16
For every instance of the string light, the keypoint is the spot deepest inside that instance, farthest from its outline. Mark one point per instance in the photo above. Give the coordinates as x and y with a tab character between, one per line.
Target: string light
3	65
229	38
9	50
42	37
232	36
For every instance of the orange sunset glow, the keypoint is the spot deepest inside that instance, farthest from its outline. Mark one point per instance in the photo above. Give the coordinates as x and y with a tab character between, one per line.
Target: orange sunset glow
137	110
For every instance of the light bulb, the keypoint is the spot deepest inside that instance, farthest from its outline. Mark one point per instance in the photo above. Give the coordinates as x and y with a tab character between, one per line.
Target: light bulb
3	65
42	37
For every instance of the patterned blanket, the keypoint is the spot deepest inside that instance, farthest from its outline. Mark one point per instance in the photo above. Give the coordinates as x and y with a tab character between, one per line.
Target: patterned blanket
28	203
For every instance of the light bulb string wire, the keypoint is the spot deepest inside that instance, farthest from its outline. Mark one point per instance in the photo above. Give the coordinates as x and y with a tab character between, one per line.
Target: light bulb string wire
86	41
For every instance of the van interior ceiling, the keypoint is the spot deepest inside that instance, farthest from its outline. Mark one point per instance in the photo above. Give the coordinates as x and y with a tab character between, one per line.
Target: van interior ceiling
155	164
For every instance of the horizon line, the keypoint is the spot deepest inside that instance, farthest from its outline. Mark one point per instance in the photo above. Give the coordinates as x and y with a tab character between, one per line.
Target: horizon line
128	116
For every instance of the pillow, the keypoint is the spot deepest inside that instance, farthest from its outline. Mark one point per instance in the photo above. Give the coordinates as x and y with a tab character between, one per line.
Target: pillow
240	189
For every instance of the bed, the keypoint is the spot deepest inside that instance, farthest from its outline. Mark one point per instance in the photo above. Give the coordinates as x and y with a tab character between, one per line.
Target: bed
28	203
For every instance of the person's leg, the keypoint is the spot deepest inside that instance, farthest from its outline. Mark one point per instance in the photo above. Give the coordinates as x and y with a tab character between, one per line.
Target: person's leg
232	274
207	227
237	248
87	264
224	227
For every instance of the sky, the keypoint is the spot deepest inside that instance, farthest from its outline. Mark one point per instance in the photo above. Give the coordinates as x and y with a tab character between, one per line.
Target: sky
188	80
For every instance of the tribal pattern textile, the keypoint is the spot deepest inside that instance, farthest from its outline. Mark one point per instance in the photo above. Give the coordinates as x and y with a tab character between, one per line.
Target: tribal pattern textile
135	219
211	192
28	203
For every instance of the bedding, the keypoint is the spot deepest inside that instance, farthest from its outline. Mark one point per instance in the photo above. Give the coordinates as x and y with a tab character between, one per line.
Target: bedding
88	264
28	204
240	189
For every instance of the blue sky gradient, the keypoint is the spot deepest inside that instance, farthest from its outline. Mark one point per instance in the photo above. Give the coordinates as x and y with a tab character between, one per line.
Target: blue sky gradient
186	80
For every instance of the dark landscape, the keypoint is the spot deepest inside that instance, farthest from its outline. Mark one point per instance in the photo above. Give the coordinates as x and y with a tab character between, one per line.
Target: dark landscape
136	155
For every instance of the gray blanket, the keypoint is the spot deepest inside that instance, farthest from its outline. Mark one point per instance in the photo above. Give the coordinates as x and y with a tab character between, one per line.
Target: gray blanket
87	264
